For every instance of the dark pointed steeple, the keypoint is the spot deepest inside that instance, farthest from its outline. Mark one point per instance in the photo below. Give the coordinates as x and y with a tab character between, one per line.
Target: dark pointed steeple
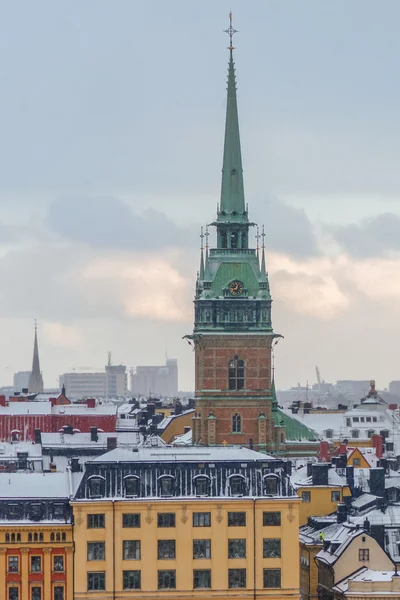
36	379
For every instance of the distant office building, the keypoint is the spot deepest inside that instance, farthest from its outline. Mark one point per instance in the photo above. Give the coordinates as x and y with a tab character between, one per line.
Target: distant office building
21	380
111	383
156	381
116	381
354	389
394	388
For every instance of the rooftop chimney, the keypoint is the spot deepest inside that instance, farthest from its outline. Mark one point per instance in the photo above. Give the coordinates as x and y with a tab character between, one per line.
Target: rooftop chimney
320	473
341	514
2	401
377	481
324	451
91	403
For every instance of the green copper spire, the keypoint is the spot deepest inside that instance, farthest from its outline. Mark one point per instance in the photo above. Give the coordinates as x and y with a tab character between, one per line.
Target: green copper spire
232	205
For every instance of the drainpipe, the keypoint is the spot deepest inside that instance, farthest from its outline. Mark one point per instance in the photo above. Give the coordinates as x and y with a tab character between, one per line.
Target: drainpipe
113	530
254	550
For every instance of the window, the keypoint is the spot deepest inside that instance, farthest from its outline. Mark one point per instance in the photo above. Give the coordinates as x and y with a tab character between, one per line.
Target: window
368	419
131	520
59	511
236	423
356	419
202	485
201	579
58	537
335	496
236	548
201	519
355	433
36	511
272	548
166	580
131	549
30	537
236	374
363	554
234	239
348	422
306	496
224	242
13	593
236	519
166	549
236	485
13	537
96	581
374	419
356	462
36	564
271	485
13	564
201	548
166	485
329	433
58	564
36	593
64	537
59	592
13	511
272	578
362	420
96	486
8	537
131	485
370	433
271	519
236	578
166	519
41	538
131	580
96	551
96	521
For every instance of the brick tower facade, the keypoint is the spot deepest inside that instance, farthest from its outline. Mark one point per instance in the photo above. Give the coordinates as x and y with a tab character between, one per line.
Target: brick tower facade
233	333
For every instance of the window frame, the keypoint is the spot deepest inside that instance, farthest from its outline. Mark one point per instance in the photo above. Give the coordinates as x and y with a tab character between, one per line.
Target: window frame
101	518
196	575
277	571
276	513
233	516
161	516
207	550
236	374
125	575
12	556
129	480
236	573
199	516
126	550
56	589
95	546
131	520
240	551
60	557
277	553
236	423
171	573
363	554
91	576
166	554
38	559
306	496
334	496
37	597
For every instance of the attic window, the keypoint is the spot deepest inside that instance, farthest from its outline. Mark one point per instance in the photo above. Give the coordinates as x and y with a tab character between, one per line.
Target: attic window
202	485
271	487
97	485
237	485
36	511
166	485
131	483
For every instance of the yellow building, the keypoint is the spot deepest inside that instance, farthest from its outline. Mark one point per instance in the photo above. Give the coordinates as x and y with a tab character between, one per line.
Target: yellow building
185	523
36	546
320	488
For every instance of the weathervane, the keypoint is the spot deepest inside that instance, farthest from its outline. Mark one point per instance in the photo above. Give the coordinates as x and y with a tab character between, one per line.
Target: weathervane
231	32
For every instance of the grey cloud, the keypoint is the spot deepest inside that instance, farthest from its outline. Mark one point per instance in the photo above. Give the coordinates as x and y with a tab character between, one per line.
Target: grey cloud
109	222
376	236
287	228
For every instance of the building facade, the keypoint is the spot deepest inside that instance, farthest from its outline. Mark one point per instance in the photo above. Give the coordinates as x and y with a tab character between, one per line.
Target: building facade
157	380
185	524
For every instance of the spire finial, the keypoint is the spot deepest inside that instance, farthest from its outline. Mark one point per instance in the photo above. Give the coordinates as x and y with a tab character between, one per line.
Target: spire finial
206	236
201	273
231	32
258	240
201	239
263	238
35	325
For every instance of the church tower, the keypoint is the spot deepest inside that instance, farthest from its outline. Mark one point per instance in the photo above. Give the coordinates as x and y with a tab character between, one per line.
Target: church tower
233	333
35	380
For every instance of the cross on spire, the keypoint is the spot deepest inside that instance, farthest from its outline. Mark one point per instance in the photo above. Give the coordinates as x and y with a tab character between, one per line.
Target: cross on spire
201	239
263	238
258	239
231	32
206	236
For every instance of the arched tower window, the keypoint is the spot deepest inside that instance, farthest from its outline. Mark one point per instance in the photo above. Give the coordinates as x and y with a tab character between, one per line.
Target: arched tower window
234	239
224	239
236	423
236	374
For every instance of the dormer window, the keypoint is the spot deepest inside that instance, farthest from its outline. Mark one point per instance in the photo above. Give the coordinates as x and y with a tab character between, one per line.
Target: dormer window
271	484
131	483
166	485
202	485
237	485
97	485
36	511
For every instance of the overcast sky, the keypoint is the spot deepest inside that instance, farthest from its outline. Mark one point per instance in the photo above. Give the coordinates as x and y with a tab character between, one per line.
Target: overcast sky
111	130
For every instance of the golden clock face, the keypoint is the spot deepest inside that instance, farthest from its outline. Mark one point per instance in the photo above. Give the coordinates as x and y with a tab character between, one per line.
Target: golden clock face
236	288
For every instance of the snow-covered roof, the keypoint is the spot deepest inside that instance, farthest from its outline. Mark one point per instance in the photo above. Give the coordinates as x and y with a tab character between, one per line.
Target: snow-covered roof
338	544
177	453
34	485
80	409
300	478
364	500
83	440
372	575
183	440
